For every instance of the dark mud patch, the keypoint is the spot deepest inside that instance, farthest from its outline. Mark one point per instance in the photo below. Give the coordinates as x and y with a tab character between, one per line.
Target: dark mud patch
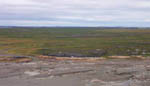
88	53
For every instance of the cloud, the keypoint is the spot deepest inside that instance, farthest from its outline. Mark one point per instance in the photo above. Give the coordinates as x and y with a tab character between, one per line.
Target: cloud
75	12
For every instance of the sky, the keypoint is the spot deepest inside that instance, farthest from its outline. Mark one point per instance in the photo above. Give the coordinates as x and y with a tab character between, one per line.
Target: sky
126	13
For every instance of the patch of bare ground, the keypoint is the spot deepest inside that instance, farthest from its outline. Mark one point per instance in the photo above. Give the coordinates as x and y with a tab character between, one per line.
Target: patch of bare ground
127	57
92	59
65	71
15	59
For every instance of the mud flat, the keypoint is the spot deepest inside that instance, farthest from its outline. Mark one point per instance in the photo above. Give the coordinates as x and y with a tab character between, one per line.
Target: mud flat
54	72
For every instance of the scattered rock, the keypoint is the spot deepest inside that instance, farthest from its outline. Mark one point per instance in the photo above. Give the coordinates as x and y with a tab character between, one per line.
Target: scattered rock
32	73
67	54
23	60
119	57
19	57
110	72
96	80
143	76
122	71
91	53
97	53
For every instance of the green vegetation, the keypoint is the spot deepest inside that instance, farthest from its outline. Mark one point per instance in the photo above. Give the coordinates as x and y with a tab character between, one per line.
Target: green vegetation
37	41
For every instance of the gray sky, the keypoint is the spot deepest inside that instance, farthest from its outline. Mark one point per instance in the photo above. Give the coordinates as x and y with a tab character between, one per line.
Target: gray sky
75	12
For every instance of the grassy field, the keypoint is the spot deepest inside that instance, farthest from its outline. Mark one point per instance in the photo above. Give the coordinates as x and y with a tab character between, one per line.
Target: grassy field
38	41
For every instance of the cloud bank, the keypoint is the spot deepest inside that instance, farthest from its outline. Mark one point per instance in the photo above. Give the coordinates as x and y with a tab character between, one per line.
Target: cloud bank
75	13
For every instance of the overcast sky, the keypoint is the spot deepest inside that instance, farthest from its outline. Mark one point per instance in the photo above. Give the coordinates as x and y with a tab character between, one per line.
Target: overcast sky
75	13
